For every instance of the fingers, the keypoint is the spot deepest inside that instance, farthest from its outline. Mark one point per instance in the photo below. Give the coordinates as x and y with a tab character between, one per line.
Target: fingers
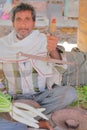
52	38
51	47
52	42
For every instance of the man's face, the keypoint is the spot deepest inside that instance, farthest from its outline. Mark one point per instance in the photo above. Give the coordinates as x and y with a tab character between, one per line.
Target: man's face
23	24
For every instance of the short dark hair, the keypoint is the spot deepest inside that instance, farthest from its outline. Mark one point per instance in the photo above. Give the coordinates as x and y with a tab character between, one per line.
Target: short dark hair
23	7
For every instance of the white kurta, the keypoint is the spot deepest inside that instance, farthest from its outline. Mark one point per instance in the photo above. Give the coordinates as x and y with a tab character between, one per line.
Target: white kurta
34	44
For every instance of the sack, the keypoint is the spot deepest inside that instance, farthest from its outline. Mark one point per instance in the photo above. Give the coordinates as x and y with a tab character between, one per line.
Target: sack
76	74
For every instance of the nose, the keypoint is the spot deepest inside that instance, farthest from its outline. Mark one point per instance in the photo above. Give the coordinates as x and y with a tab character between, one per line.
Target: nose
23	23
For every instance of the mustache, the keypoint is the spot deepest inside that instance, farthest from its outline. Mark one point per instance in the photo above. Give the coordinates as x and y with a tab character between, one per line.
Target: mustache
23	29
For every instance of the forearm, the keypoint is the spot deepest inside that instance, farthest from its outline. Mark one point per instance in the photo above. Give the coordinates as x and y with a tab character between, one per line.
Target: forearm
56	54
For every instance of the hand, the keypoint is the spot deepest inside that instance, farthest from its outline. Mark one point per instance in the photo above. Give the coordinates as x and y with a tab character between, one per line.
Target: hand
52	43
45	125
51	47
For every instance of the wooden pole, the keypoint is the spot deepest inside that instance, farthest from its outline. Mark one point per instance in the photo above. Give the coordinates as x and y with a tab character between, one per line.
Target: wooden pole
82	26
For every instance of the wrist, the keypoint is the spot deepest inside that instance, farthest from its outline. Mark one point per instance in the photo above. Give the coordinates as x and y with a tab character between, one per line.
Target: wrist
56	54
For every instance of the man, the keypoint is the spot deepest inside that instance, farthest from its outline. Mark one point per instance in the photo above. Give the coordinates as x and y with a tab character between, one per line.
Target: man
33	79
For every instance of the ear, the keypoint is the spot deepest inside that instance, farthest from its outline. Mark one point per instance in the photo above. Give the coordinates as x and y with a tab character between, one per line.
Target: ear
13	24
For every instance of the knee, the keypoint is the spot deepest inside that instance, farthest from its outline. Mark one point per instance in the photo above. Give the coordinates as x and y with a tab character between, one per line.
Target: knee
71	95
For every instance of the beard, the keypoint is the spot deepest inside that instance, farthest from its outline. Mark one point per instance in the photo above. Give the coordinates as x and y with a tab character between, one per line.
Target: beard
22	35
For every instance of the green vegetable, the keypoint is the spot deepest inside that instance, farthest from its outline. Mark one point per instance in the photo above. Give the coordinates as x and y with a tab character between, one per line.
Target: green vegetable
5	102
21	112
82	96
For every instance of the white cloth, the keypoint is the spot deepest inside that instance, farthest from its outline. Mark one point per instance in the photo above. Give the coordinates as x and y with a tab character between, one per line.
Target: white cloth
35	44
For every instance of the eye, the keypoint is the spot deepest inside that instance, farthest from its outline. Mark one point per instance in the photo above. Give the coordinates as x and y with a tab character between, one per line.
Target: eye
18	19
27	19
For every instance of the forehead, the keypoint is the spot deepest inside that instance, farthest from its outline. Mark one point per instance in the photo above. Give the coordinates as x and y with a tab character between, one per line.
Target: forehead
25	13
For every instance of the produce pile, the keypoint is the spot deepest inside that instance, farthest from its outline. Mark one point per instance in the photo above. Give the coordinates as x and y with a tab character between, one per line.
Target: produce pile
21	112
82	97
